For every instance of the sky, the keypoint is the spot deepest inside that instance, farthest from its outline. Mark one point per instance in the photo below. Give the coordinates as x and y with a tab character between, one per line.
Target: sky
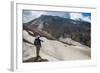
29	15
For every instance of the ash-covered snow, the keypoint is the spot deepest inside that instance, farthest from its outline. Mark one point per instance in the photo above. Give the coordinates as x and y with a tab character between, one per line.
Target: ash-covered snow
53	50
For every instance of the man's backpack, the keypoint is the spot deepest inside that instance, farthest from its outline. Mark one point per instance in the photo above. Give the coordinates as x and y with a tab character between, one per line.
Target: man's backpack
37	42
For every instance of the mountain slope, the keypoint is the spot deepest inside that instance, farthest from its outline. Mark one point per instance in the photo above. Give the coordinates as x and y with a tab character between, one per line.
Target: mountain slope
53	50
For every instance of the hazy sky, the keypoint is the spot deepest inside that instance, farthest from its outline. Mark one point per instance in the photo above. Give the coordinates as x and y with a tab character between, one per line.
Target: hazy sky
29	15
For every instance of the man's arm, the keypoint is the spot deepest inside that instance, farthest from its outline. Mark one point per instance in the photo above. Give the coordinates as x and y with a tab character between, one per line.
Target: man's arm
41	40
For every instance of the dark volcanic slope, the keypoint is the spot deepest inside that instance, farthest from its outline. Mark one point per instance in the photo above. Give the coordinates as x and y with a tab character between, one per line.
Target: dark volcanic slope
54	27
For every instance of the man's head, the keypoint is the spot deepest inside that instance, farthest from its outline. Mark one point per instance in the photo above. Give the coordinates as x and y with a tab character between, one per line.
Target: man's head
38	36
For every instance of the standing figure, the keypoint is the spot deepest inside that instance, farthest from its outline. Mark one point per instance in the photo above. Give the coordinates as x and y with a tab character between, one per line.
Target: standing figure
37	43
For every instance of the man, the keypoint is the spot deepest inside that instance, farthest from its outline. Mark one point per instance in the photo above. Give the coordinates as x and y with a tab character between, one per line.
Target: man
37	43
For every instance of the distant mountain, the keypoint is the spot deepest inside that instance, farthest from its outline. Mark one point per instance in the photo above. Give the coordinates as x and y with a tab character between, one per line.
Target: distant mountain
54	27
